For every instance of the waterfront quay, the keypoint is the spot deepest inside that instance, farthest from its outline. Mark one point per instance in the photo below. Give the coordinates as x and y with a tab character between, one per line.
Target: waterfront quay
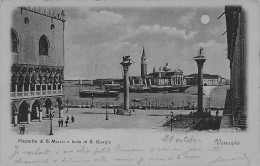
214	97
94	118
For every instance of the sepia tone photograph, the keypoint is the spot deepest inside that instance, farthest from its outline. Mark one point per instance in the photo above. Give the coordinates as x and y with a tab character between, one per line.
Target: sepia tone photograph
161	68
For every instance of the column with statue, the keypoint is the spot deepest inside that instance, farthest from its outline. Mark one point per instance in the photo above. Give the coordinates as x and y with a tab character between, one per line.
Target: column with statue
200	59
126	64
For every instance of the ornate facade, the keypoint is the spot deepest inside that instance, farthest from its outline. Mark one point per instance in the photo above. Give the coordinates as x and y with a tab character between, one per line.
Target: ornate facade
37	71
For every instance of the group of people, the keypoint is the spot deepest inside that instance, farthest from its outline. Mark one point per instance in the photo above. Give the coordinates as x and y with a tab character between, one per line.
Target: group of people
22	129
60	121
208	112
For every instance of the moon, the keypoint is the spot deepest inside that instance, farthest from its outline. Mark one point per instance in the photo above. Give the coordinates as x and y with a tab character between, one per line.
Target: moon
205	19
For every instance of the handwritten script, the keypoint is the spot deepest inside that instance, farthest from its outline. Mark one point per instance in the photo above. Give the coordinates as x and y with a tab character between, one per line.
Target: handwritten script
170	149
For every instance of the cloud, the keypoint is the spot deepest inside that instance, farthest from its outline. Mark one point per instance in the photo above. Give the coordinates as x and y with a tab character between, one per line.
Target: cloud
97	40
103	18
167	30
95	27
155	33
185	20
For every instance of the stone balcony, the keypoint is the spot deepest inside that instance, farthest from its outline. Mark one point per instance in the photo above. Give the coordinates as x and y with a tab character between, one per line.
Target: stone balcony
36	93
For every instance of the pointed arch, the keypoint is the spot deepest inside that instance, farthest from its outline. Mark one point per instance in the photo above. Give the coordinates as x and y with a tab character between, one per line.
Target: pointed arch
44	45
23	111
48	103
35	107
14	111
14	41
59	101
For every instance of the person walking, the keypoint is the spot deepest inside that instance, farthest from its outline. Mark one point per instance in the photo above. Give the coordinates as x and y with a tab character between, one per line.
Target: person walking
23	129
66	122
61	122
68	118
72	119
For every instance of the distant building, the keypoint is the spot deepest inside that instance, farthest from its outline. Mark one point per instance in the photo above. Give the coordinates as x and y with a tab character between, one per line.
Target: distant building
236	25
208	80
37	71
168	76
211	80
143	64
163	77
83	82
101	82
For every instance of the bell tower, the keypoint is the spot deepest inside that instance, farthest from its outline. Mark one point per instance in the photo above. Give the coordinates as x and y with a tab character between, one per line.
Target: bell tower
143	64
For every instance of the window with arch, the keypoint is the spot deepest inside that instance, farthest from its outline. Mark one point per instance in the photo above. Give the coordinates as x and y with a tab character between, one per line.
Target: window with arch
14	41
52	27
43	45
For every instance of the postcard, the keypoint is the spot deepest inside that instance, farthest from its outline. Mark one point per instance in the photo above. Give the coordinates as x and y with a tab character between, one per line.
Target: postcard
130	83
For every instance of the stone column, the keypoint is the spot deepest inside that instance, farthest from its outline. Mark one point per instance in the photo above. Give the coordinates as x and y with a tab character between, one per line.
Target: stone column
126	65
41	89
52	88
61	88
126	91
29	90
200	61
23	90
40	115
28	117
15	120
15	90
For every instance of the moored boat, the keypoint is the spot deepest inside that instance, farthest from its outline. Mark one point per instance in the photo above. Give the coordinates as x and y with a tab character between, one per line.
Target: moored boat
98	93
149	89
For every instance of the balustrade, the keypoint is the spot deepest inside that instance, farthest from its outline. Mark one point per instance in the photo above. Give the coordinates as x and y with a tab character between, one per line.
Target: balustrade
37	92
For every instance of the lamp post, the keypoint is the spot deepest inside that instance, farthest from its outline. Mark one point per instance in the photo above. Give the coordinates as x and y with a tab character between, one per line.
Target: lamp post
171	120
146	98
92	97
106	111
209	99
51	116
67	101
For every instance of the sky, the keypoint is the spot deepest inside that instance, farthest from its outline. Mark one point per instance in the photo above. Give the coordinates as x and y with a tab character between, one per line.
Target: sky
97	38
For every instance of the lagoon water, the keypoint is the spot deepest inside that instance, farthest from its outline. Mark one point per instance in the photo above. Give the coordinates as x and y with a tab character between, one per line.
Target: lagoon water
216	93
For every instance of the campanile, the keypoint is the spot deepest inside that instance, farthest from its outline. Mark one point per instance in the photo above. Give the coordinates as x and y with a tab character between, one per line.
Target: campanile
143	64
